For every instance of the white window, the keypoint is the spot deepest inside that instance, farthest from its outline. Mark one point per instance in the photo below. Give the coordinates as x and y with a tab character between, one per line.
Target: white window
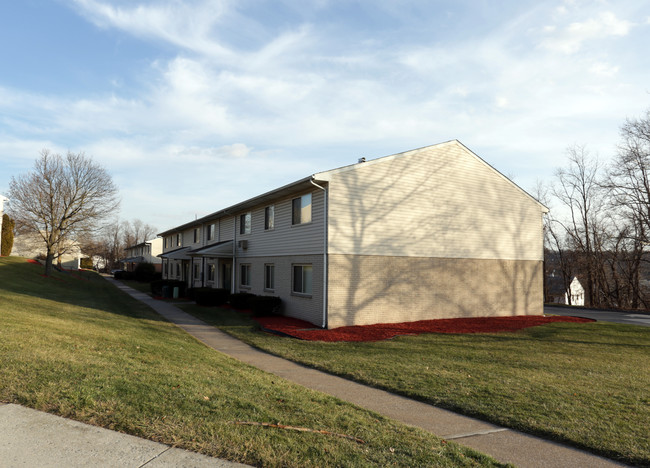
211	272
210	232
269	277
179	239
301	209
197	235
245	275
302	279
245	223
269	217
197	271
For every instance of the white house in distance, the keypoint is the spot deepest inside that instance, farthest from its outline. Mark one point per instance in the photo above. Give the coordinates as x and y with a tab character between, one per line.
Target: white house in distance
430	233
144	252
30	245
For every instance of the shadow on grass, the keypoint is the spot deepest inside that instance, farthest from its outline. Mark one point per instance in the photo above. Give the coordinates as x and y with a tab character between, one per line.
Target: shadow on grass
80	288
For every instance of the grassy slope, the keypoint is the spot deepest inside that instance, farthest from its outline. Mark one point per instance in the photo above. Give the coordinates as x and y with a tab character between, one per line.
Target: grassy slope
84	350
585	384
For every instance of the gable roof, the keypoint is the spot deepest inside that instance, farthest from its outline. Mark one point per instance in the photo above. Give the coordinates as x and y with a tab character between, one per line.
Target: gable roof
306	182
326	175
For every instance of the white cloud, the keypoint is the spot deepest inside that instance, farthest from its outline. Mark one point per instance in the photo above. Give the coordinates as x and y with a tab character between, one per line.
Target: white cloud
190	25
572	38
604	69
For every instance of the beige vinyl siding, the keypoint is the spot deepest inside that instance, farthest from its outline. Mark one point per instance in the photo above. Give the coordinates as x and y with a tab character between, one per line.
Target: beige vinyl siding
305	308
440	201
285	239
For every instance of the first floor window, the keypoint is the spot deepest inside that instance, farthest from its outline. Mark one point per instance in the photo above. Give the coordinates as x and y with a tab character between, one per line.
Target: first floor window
245	275
166	268
302	279
269	276
211	272
197	271
178	270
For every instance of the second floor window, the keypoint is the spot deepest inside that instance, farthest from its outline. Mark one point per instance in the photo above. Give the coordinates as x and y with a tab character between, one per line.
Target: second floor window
269	217
197	235
245	223
179	239
301	209
210	233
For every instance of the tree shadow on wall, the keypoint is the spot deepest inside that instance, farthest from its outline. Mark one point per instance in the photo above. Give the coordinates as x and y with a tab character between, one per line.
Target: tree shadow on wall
405	246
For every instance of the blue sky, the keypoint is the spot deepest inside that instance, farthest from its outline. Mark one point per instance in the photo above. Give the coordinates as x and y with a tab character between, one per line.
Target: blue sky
196	105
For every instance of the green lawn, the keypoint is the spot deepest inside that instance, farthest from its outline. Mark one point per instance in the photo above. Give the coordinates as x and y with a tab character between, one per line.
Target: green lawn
583	384
82	349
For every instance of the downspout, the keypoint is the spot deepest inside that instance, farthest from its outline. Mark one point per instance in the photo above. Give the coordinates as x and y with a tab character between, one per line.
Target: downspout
325	247
234	255
203	236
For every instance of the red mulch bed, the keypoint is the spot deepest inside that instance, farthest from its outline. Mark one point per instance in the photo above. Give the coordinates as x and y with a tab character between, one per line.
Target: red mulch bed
382	331
31	260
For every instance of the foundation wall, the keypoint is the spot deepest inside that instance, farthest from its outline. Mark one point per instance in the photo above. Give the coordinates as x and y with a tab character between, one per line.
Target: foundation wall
377	289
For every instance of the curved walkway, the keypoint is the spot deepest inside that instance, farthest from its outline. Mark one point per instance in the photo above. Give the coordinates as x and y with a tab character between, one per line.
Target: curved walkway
505	445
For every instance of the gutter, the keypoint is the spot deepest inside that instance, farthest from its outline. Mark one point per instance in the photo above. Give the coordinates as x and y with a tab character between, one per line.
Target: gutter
325	246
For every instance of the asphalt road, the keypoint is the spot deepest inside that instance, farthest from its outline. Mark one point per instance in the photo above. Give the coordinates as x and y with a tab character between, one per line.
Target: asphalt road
629	318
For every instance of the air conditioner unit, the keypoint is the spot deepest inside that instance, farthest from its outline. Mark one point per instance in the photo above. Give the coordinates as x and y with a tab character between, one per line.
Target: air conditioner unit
243	244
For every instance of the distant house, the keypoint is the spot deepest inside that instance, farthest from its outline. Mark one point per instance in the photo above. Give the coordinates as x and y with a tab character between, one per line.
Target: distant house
32	246
144	252
430	233
559	294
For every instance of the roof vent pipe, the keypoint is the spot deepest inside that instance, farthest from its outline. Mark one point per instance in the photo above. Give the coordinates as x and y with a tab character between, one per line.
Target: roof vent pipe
361	160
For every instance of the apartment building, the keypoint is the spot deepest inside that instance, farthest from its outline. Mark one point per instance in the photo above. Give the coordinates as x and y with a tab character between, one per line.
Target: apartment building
430	233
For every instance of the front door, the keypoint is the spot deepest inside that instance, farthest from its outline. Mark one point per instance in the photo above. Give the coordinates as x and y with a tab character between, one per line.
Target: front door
226	276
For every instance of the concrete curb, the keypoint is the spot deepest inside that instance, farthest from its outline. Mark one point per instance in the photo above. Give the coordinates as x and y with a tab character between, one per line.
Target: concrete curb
34	438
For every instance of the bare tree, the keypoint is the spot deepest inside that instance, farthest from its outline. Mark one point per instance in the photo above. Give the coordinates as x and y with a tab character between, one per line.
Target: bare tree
629	176
62	199
136	232
578	192
628	183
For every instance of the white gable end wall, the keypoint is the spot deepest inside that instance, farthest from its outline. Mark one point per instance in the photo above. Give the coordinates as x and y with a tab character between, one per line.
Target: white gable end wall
440	201
432	233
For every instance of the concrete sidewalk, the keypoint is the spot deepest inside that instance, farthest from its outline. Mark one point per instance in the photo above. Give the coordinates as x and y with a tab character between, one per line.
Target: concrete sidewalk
503	444
30	438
